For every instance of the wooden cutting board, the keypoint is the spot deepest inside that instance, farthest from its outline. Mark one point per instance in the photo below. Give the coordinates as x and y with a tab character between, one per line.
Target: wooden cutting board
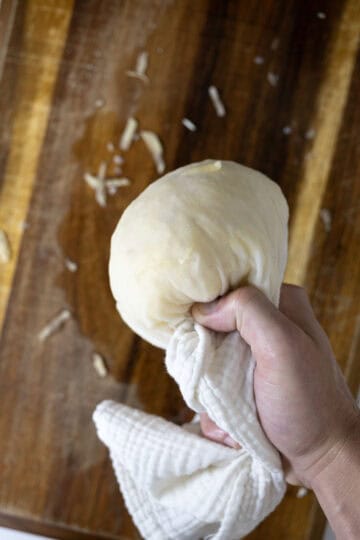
288	74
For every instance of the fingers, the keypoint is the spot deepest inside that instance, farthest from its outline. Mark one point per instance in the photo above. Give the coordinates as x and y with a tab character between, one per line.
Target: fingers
250	312
295	304
214	433
289	472
211	431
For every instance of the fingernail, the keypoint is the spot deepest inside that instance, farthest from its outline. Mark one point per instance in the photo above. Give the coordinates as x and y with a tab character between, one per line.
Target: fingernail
230	442
207	308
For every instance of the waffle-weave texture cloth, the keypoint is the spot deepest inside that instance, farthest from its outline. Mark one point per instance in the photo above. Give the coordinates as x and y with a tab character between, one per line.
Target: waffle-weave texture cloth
177	485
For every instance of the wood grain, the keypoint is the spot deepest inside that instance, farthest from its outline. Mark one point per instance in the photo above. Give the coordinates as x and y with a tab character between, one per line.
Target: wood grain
60	59
332	97
28	79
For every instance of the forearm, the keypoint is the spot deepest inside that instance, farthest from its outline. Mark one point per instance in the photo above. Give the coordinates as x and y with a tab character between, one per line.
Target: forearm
337	488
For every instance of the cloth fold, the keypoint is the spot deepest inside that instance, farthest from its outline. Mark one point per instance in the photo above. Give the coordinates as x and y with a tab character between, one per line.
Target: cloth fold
177	484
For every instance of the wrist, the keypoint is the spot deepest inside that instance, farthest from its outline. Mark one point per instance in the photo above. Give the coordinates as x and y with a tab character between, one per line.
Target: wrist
343	452
317	464
336	484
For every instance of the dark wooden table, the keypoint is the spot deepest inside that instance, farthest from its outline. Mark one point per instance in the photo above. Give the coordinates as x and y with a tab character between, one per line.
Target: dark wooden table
288	74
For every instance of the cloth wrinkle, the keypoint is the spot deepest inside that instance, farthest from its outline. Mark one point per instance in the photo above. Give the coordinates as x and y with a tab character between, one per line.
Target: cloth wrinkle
178	485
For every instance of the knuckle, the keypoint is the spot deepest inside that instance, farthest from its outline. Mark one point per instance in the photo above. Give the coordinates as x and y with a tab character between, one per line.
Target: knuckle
246	294
243	298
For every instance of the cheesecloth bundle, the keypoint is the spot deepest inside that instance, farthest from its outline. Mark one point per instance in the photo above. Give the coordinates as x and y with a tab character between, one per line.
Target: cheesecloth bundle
192	236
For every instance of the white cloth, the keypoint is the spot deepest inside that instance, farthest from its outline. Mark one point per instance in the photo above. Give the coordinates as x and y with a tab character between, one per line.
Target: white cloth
177	484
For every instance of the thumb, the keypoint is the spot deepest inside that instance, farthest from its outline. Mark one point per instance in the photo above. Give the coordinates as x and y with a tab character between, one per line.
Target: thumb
250	312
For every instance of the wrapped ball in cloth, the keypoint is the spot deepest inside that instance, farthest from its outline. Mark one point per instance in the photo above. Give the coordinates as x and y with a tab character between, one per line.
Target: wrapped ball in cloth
192	236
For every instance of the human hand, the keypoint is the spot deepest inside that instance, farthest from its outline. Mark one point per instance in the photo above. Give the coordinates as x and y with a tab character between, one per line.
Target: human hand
303	402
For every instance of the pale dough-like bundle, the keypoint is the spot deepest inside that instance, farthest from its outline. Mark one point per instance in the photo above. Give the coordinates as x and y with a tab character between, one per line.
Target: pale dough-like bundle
190	237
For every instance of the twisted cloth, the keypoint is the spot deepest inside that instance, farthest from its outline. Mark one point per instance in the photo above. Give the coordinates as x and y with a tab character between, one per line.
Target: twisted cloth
177	484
